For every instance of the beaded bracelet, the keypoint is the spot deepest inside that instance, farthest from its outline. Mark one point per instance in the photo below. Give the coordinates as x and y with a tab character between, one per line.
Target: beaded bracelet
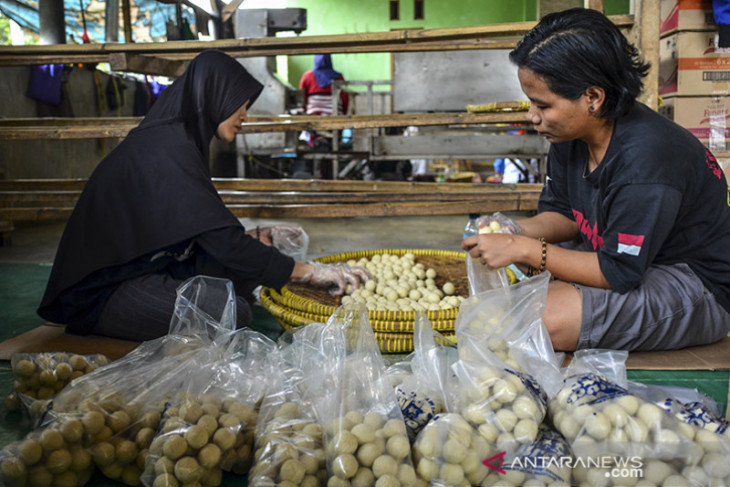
531	271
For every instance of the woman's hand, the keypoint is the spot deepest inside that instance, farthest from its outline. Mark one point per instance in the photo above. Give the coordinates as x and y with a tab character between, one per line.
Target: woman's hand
335	276
494	250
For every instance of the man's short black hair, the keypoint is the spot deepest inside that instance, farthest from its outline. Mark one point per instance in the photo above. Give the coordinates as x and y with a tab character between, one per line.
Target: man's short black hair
578	48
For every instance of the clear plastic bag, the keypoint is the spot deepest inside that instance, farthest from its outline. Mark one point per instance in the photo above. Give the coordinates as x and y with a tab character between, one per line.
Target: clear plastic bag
448	451
430	386
483	278
208	426
506	363
38	377
290	238
498	223
546	461
364	433
507	322
53	455
600	418
288	446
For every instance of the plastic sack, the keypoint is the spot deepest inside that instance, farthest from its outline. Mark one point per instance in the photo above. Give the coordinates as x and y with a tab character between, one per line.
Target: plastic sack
364	434
205	308
289	238
503	348
448	451
427	390
687	405
640	440
498	223
507	323
207	427
288	446
546	461
54	455
38	377
483	278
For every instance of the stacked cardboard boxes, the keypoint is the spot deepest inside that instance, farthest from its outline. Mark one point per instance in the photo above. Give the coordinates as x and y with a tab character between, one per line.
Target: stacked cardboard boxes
694	74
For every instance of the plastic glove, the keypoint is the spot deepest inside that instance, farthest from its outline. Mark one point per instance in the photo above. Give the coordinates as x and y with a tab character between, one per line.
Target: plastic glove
291	240
337	276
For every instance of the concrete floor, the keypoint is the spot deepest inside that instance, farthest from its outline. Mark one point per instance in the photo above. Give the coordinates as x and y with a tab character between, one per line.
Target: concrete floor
37	242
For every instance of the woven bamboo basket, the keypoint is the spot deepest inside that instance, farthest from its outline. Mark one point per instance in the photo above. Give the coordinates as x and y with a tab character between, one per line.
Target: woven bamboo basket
298	305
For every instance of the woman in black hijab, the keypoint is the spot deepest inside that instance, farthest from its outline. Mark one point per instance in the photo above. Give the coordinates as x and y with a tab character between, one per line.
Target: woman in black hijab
149	218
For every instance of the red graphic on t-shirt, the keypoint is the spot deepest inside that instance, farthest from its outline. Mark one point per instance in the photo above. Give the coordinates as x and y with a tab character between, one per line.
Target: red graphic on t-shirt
712	164
585	228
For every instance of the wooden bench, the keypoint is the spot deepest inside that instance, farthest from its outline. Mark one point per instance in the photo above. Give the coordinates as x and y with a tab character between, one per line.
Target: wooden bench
46	200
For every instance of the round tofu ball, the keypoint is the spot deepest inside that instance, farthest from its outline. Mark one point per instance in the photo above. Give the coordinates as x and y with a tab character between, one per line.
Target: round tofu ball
598	426
344	466
398	447
345	442
363	433
394	427
51	440
58	461
387	481
385	465
30	452
196	436
63	371
292	471
12	469
187	470
174	447
368	452
24	368
451	474
93	422
224	438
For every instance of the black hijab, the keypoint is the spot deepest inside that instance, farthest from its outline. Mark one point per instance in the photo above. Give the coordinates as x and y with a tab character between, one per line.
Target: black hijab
154	189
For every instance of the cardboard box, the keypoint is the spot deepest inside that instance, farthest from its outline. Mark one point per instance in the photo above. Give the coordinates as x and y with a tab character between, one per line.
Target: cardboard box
679	15
707	117
689	64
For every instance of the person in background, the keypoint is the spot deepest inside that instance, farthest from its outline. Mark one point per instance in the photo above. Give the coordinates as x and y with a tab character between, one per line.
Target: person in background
149	218
648	202
316	85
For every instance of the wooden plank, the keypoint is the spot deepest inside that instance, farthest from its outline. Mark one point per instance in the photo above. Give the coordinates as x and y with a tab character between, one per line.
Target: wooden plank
127	16
367	186
56	121
316	211
594	4
300	185
392	41
139	63
646	38
67	199
89	129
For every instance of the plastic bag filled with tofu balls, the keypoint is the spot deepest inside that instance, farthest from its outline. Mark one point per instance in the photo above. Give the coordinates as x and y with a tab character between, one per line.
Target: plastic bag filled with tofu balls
622	438
364	435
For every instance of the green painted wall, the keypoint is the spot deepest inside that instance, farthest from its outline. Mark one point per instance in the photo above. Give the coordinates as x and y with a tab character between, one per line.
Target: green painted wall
352	16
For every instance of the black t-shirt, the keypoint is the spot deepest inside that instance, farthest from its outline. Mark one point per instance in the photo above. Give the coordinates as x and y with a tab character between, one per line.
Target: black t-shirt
658	197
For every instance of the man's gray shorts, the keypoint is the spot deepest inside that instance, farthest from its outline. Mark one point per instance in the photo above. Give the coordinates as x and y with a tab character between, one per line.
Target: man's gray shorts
670	309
